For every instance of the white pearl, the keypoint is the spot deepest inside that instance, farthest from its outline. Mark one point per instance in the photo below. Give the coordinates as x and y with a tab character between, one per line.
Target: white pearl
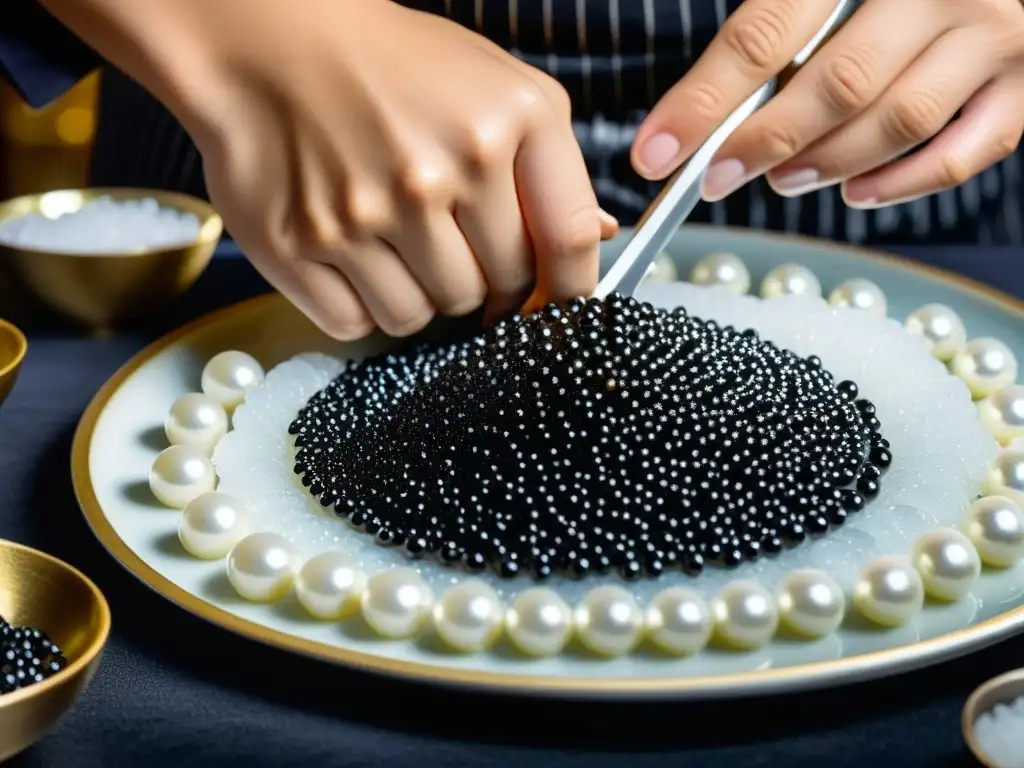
790	280
678	621
196	419
228	376
662	270
180	473
889	591
811	603
940	328
859	293
995	526
726	270
948	563
1006	477
609	621
985	366
745	615
330	585
261	567
211	524
397	602
539	622
1002	413
469	616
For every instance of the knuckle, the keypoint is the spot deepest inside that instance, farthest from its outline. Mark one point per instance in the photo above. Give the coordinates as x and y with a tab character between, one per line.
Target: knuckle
849	81
779	141
481	147
363	213
464	303
953	171
422	184
707	101
1005	144
343	321
757	38
917	118
402	322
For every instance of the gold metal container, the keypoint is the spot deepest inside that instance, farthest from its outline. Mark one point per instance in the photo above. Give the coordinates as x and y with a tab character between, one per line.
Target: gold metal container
13	347
43	592
103	291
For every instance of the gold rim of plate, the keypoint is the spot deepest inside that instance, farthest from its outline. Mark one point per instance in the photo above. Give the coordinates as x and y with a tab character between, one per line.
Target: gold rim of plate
798	677
7	326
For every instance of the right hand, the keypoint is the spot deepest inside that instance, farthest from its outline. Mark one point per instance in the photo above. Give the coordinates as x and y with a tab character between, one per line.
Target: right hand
380	165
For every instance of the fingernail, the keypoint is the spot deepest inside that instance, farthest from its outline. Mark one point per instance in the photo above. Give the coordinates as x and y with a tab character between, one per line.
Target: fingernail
723	178
865	198
658	154
793	183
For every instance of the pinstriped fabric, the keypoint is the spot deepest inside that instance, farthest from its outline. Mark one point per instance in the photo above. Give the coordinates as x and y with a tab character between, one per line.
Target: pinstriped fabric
615	58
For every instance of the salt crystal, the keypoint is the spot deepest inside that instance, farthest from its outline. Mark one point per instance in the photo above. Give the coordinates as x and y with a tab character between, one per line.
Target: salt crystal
1000	734
104	226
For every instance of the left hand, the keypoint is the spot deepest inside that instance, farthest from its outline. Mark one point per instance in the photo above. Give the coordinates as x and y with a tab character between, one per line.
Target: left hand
889	82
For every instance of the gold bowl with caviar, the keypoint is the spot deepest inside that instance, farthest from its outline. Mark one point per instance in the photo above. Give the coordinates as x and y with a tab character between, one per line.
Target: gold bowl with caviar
42	592
103	289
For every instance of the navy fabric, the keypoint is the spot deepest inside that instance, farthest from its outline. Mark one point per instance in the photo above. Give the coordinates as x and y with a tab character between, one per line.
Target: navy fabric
175	691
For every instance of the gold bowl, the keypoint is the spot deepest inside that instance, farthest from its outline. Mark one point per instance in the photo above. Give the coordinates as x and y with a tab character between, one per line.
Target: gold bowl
40	591
12	351
105	290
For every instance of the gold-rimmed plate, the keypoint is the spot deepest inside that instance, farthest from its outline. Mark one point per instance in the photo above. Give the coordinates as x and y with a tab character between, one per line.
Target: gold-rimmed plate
115	445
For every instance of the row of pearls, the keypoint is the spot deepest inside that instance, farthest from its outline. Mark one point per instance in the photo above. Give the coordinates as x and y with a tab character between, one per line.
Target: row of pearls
943	566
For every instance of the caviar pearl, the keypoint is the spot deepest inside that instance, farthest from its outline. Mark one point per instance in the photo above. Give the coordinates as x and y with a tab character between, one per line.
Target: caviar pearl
469	616
985	366
745	615
940	328
539	622
662	270
397	602
330	585
229	375
196	419
261	567
1006	476
859	293
948	563
608	621
211	524
790	280
889	591
180	473
995	526
1002	413
725	270
678	621
811	603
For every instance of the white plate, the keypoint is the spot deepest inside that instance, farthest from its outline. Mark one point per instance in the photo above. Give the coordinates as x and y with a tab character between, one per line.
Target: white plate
121	433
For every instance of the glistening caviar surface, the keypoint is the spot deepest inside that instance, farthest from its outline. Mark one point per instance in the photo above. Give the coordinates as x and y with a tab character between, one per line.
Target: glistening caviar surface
595	436
27	657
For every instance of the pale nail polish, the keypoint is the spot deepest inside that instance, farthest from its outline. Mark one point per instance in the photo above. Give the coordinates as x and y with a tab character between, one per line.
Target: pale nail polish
796	182
723	178
659	153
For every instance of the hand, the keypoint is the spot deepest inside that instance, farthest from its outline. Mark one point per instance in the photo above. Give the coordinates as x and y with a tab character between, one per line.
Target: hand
888	83
378	165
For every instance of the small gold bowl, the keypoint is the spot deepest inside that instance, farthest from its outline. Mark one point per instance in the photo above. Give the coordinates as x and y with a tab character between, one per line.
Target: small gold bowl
12	351
999	690
103	290
40	591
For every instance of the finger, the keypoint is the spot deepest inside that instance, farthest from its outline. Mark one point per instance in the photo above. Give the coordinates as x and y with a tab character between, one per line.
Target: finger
842	80
563	220
393	297
609	225
756	43
493	224
913	110
988	130
435	251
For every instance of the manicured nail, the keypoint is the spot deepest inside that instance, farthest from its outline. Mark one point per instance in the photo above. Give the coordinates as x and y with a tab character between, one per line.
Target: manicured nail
658	154
793	183
864	203
863	199
723	178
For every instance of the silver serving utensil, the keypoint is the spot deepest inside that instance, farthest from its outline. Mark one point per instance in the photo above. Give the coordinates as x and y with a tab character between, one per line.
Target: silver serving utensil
681	193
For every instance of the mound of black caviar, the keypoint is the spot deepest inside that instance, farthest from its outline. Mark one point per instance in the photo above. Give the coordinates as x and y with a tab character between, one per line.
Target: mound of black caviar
27	657
593	436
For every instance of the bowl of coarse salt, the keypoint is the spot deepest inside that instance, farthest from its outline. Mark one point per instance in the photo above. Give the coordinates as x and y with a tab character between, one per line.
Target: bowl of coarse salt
106	256
993	721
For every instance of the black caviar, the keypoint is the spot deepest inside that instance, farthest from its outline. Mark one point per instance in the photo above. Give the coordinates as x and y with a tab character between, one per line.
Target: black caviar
27	657
592	436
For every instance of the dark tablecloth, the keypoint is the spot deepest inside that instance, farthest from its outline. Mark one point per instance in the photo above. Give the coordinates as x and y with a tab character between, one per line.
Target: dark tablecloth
174	691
